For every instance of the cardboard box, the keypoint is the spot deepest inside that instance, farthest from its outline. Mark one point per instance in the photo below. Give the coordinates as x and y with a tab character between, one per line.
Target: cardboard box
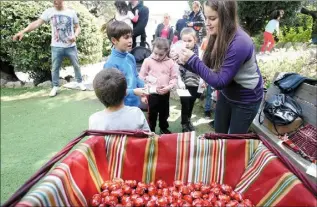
283	129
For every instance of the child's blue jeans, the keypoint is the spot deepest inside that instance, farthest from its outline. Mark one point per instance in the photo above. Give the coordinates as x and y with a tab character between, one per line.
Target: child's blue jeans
58	55
208	98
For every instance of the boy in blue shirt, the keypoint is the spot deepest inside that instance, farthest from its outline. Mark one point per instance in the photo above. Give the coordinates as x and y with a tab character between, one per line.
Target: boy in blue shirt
120	34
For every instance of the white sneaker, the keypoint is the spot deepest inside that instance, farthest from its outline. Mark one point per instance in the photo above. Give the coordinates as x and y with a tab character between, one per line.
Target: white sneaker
54	91
82	86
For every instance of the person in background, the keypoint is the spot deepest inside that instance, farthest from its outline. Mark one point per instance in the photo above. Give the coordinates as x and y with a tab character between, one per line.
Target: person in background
164	29
313	14
197	21
158	72
181	24
140	25
120	35
188	80
229	65
123	13
209	91
272	26
175	38
65	31
110	87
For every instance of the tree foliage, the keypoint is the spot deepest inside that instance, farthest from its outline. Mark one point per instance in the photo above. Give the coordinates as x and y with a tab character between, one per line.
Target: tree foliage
254	15
33	53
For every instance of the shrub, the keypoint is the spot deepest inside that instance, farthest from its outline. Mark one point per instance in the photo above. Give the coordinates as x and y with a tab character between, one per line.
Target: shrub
304	64
299	32
33	54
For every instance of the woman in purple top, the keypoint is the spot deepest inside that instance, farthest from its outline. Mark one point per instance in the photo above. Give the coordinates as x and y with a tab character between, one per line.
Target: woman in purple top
229	65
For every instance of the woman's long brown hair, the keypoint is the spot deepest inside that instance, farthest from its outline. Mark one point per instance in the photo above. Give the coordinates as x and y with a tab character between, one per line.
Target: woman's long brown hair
227	26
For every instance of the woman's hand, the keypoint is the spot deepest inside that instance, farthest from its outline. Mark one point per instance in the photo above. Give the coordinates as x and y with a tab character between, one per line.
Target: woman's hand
184	56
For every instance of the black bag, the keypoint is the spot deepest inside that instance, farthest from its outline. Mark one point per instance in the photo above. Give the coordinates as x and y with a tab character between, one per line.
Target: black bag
289	82
281	110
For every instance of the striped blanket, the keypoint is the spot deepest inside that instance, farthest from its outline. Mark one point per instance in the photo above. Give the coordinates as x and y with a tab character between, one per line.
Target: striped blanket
246	164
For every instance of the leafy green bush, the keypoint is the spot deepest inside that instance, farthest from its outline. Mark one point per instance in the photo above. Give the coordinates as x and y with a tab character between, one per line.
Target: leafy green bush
304	65
300	32
33	53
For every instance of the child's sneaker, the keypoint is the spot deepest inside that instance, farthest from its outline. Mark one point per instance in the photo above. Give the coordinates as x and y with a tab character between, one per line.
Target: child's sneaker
54	91
185	128
207	114
165	131
82	86
191	127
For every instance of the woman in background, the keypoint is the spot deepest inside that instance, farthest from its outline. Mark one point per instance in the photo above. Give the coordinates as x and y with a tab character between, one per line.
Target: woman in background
197	21
164	30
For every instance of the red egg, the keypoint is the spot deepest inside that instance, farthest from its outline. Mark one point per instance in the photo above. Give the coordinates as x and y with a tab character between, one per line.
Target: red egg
196	194
131	183
114	186
188	199
178	183
106	185
238	197
219	204
152	190
140	191
161	184
151	203
247	202
185	190
197	186
232	203
142	185
117	193
224	198
216	191
104	193
139	202
205	189
198	202
226	188
161	201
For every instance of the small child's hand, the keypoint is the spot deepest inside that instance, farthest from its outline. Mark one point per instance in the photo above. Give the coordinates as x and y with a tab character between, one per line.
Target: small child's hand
163	90
144	99
139	91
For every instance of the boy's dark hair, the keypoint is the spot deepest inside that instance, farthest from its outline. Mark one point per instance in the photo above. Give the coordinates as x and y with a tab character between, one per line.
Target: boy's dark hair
122	7
110	87
117	29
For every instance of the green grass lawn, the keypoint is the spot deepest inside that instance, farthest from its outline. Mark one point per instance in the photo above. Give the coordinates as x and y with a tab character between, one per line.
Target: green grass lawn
34	127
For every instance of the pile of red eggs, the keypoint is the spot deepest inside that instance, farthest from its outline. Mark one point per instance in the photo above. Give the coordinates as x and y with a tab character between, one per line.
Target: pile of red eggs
133	193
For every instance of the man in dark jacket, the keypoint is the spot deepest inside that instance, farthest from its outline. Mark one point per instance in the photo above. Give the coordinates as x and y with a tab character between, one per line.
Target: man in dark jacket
181	23
139	26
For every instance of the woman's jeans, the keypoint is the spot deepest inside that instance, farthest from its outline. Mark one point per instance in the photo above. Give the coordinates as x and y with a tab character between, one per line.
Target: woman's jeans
58	55
233	118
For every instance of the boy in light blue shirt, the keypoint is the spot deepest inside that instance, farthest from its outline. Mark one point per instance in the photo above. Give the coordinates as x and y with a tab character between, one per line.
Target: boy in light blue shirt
120	34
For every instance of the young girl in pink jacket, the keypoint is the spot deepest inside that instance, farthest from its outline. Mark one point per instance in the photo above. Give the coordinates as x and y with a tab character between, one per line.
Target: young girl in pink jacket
159	73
